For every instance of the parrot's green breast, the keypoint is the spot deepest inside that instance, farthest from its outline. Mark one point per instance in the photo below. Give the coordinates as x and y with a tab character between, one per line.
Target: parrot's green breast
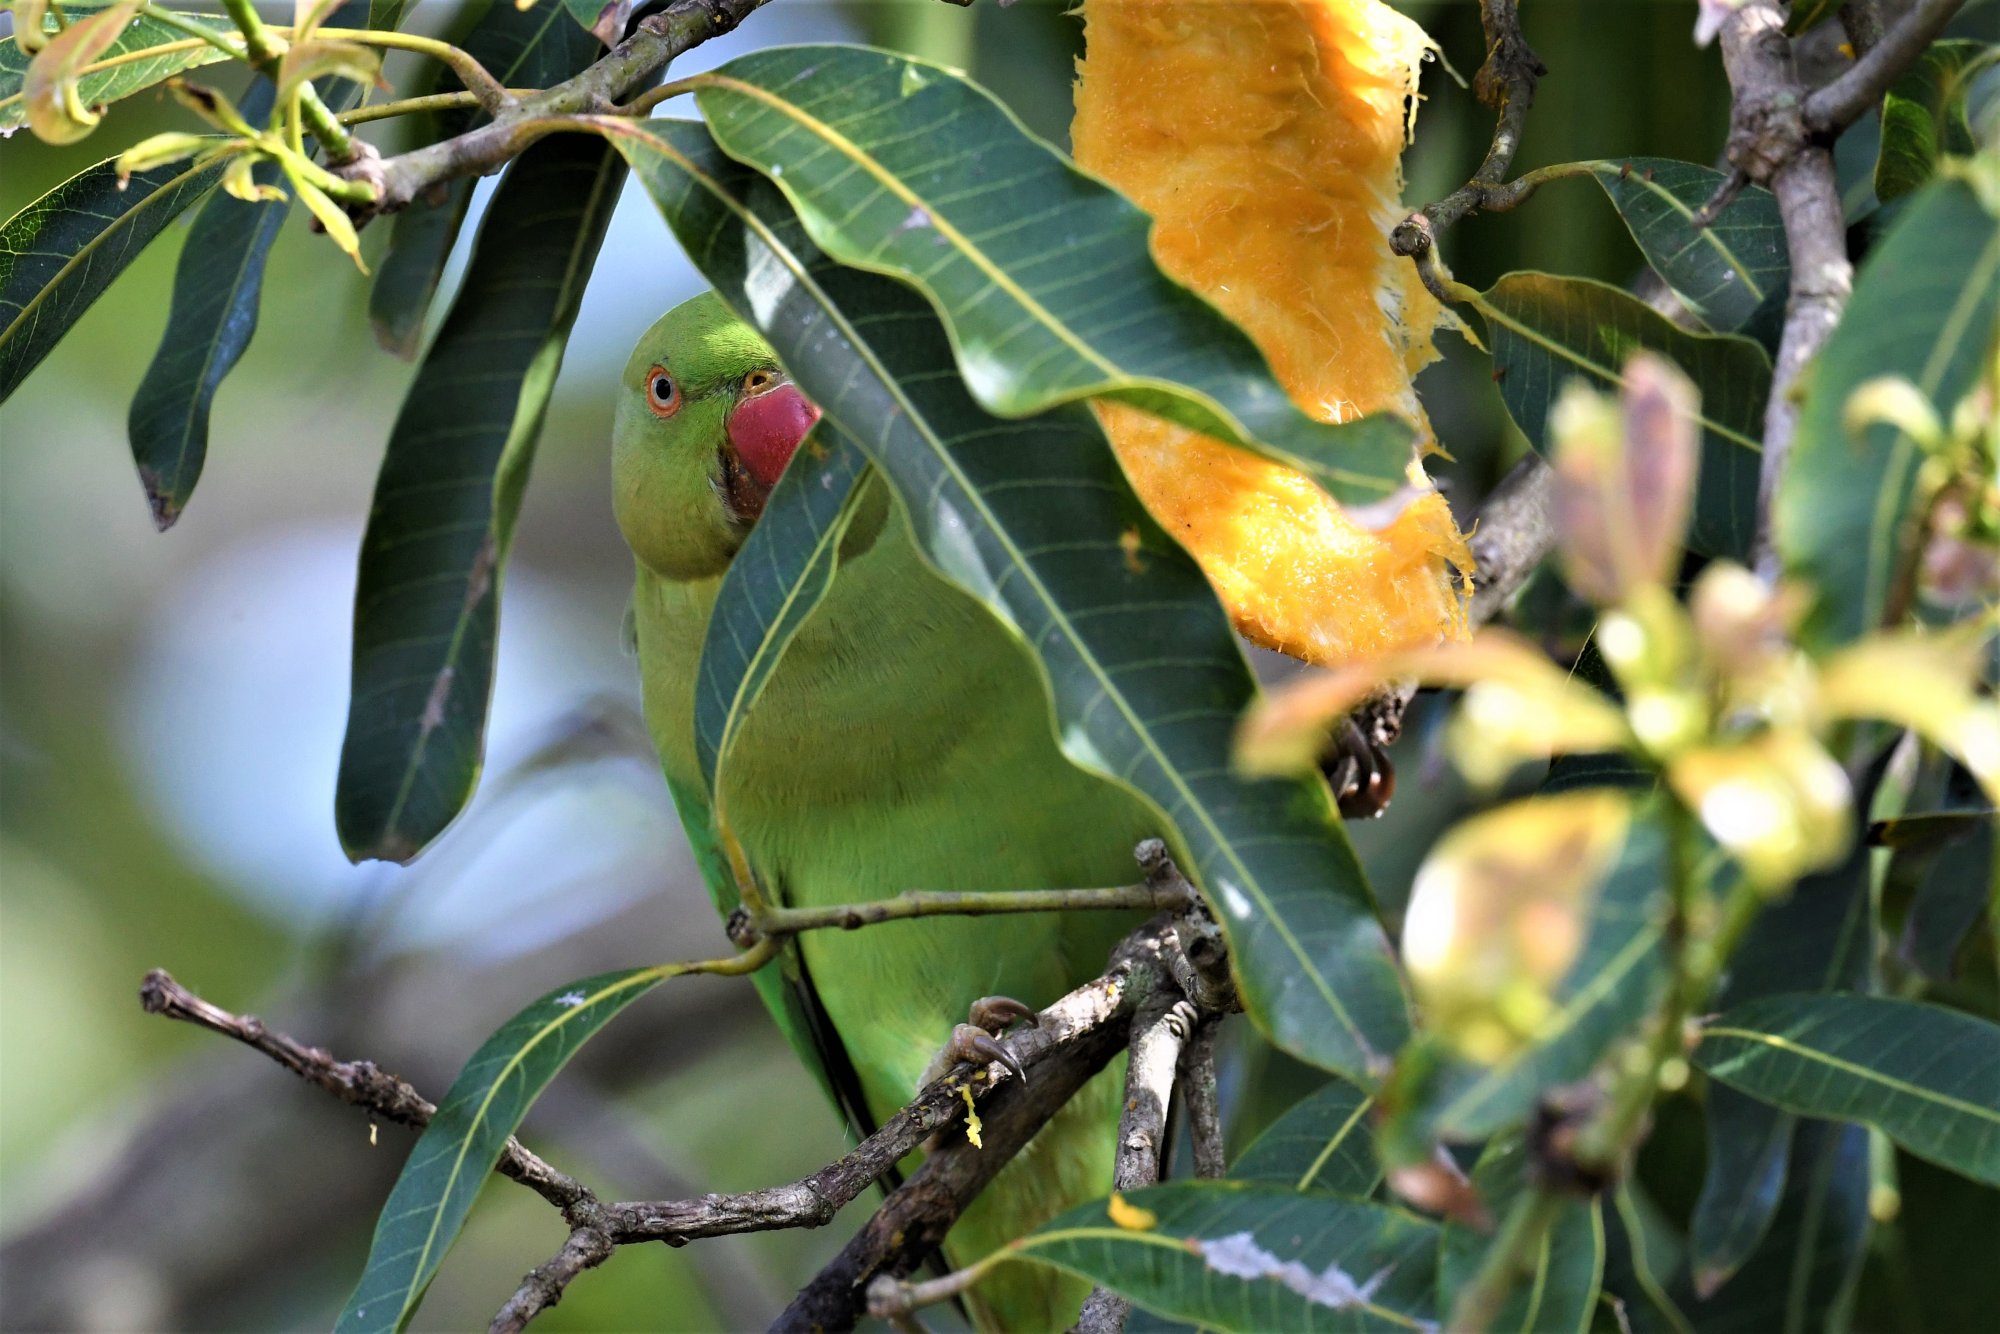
906	741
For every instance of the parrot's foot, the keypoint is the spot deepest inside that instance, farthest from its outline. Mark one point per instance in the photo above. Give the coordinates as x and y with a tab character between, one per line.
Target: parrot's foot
978	1042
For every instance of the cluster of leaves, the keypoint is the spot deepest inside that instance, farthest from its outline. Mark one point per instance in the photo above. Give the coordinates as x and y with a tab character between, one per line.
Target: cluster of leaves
1702	838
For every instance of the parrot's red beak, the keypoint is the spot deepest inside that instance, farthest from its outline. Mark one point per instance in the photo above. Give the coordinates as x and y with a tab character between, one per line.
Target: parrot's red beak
766	427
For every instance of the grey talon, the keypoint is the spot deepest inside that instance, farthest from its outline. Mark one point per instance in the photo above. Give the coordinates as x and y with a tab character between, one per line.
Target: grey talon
982	1048
994	1013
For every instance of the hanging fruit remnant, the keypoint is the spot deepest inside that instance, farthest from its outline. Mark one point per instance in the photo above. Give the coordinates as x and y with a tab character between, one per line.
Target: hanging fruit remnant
1265	138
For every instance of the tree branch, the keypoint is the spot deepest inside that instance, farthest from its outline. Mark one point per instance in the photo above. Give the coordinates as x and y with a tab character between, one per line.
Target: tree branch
1071	1041
1077	1037
1852	95
1164	1021
1505	82
1203	1100
655	42
1769	143
358	1083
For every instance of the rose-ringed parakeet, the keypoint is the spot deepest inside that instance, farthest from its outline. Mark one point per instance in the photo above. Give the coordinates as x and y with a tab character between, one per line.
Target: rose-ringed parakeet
904	741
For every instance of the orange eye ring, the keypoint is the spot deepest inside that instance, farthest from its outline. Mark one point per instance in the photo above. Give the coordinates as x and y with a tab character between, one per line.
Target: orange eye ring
663	392
756	382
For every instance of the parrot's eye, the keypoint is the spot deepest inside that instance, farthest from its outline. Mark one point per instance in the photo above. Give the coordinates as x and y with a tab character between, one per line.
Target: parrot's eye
756	382
663	393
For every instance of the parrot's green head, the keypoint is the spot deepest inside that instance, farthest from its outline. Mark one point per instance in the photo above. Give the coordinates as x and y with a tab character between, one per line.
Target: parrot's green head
707	420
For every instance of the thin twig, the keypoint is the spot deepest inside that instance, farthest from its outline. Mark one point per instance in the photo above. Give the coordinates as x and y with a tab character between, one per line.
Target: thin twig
1514	533
913	1221
1852	95
680	27
585	1248
358	1083
1770	144
1159	1030
939	903
1200	1094
1505	82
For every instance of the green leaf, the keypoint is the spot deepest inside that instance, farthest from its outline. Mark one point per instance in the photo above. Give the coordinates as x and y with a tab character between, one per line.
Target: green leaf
1961	884
1816	939
1723	272
1923	115
1748	1146
1321	1143
1042	274
1612	985
456	1152
1239	1256
383	15
1035	519
1558	1290
146	53
1546	331
1927	1077
780	574
1640	1246
1811	1256
59	253
426	609
532	48
218	284
1924	308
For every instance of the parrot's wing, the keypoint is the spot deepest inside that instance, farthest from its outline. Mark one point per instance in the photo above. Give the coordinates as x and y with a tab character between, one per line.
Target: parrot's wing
787	990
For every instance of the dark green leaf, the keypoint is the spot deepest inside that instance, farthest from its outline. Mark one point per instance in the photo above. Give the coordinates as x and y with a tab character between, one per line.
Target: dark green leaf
1546	331
1641	1249
531	48
1924	308
384	15
1816	939
1036	520
456	1152
217	285
59	253
1927	1077
1557	1293
1321	1143
147	52
1961	885
1923	115
1042	274
1748	1145
781	573
1802	1274
1611	986
427	606
1238	1256
1723	272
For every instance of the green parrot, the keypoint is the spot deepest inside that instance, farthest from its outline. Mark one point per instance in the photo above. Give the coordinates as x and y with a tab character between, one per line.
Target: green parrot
904	741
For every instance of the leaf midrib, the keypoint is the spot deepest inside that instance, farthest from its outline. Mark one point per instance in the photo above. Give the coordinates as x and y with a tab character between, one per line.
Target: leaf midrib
1727	1065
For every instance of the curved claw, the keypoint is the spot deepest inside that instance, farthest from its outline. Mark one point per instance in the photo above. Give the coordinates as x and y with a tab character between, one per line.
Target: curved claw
994	1013
976	1045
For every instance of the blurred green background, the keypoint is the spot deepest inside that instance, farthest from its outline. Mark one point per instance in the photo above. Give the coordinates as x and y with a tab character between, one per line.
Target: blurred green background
173	705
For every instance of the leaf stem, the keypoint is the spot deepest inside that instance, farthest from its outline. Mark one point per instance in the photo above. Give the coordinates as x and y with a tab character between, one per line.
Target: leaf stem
1480	1300
261	50
492	96
938	903
411	106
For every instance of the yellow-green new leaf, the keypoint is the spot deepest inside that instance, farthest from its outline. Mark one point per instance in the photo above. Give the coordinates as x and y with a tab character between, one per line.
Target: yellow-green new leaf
1518	706
56	113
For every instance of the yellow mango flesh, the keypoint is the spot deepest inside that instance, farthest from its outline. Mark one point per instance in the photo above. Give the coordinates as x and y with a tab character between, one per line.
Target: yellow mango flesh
1265	139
